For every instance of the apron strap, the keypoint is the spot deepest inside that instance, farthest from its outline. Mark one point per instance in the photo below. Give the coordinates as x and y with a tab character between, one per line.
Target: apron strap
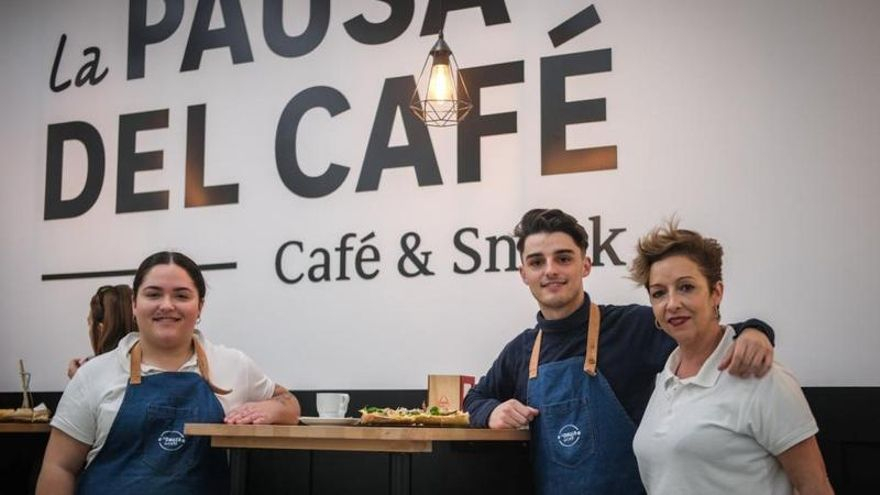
202	361
137	357
590	360
592	340
533	360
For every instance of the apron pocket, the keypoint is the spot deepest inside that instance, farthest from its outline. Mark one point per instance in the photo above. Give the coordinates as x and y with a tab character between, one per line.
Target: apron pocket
568	432
167	450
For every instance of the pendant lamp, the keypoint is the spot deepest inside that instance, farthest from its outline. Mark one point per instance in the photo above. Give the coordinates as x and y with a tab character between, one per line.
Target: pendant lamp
441	98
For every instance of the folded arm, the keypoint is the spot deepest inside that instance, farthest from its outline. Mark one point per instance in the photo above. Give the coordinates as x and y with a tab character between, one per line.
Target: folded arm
497	388
282	408
511	414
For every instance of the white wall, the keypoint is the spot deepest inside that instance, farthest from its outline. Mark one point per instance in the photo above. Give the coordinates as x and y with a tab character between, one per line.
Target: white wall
755	122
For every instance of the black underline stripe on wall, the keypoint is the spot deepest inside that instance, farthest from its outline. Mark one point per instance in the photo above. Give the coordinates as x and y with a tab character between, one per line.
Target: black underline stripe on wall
125	273
574	26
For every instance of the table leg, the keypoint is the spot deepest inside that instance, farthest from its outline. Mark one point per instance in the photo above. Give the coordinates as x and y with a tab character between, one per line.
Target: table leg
400	473
238	471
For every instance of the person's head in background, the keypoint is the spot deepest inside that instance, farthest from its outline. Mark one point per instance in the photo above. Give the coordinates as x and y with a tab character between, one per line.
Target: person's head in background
110	317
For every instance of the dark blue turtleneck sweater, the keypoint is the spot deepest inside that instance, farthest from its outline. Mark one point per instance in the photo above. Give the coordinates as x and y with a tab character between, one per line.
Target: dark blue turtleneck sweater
631	353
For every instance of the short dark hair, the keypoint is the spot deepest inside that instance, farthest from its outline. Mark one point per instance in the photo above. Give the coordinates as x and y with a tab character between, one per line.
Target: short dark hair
669	240
170	258
544	220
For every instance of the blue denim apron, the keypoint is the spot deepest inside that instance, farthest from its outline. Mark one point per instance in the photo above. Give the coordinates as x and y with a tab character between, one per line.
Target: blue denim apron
582	437
146	451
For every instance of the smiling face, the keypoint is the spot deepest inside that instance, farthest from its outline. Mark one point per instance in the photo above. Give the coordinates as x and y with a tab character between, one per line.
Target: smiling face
167	306
554	267
683	303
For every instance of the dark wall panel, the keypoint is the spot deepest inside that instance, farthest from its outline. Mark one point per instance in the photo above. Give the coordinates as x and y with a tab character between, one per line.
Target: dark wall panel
848	417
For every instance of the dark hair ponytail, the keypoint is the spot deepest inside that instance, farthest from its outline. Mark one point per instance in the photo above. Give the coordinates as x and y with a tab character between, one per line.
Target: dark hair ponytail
110	310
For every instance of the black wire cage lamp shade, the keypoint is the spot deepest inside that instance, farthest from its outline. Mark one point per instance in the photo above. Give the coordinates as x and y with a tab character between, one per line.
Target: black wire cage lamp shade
446	100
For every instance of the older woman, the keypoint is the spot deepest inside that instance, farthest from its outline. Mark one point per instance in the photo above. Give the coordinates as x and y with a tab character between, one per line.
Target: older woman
119	425
704	432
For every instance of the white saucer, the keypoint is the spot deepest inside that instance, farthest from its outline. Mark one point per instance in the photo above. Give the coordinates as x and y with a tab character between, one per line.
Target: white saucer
312	420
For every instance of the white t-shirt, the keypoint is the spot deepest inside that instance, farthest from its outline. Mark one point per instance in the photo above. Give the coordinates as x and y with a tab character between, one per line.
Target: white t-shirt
716	433
93	397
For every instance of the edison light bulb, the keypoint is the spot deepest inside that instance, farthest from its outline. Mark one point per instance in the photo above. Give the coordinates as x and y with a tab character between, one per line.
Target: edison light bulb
440	85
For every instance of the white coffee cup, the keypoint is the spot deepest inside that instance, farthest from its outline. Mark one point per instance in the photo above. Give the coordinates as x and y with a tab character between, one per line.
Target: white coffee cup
332	405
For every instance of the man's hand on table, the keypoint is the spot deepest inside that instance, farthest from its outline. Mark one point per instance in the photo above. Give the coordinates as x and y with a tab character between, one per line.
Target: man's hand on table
511	414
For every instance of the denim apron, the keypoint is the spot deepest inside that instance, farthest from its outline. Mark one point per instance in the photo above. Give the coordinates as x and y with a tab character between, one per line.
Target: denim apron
146	451
582	437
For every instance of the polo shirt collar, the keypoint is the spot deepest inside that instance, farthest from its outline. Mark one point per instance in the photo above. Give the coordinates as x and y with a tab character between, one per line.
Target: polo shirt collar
709	372
127	342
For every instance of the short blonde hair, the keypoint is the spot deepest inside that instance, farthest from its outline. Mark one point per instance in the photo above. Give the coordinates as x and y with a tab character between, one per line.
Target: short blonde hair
669	240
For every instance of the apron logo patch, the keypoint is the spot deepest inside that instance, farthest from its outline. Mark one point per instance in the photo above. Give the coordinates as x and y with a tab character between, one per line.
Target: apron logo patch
171	440
568	435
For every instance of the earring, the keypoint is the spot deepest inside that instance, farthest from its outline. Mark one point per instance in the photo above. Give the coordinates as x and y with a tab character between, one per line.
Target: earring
717	313
657	324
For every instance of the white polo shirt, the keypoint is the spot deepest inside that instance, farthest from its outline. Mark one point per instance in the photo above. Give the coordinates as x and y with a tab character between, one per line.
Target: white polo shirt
716	433
93	397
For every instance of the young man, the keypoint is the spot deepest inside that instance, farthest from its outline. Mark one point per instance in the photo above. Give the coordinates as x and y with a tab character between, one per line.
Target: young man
581	378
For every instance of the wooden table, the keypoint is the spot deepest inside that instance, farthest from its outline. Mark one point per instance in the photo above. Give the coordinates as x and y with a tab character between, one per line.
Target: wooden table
401	442
25	428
